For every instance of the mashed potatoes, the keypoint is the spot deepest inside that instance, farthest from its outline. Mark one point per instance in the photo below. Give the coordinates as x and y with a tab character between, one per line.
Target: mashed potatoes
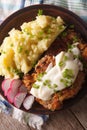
21	49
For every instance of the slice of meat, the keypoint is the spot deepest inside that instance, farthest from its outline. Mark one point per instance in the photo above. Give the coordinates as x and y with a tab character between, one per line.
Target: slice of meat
58	98
29	79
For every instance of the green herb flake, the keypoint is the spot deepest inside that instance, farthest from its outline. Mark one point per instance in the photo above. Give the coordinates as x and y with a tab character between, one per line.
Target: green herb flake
16	71
8	68
68	73
25	30
80	58
35	86
53	18
55	91
75	39
28	33
66	82
64	34
49	31
46	37
61	63
39	78
55	85
49	85
65	58
11	45
26	52
76	56
40	12
46	83
71	26
20	48
69	46
34	63
3	52
41	33
31	35
61	27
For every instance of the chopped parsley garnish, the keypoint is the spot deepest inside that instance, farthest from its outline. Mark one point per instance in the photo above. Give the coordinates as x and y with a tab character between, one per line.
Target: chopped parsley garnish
20	48
35	86
55	85
26	52
55	91
40	12
49	31
3	52
65	58
41	33
75	39
64	34
46	37
71	26
69	46
76	56
16	71
61	27
34	63
26	31
68	73
66	82
61	63
46	82
8	68
11	45
67	77
39	78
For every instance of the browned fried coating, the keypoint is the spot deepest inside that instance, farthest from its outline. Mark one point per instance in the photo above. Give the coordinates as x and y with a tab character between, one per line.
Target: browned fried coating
53	104
28	81
41	66
82	46
43	63
84	53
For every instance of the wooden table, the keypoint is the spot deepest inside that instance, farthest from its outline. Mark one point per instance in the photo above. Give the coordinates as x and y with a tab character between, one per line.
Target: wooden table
74	118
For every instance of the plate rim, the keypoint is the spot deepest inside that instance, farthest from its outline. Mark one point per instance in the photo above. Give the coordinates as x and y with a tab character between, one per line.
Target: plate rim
25	9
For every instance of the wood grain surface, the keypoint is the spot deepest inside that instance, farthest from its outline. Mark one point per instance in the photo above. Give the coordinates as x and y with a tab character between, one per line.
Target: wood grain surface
74	118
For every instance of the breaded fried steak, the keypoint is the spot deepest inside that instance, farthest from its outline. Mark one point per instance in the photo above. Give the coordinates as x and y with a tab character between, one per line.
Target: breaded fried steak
59	77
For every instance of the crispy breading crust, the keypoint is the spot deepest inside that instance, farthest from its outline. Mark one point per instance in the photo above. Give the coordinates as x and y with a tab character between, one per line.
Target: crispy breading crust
29	79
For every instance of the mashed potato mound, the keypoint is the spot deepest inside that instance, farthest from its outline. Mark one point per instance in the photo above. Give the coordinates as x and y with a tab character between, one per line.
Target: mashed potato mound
22	48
